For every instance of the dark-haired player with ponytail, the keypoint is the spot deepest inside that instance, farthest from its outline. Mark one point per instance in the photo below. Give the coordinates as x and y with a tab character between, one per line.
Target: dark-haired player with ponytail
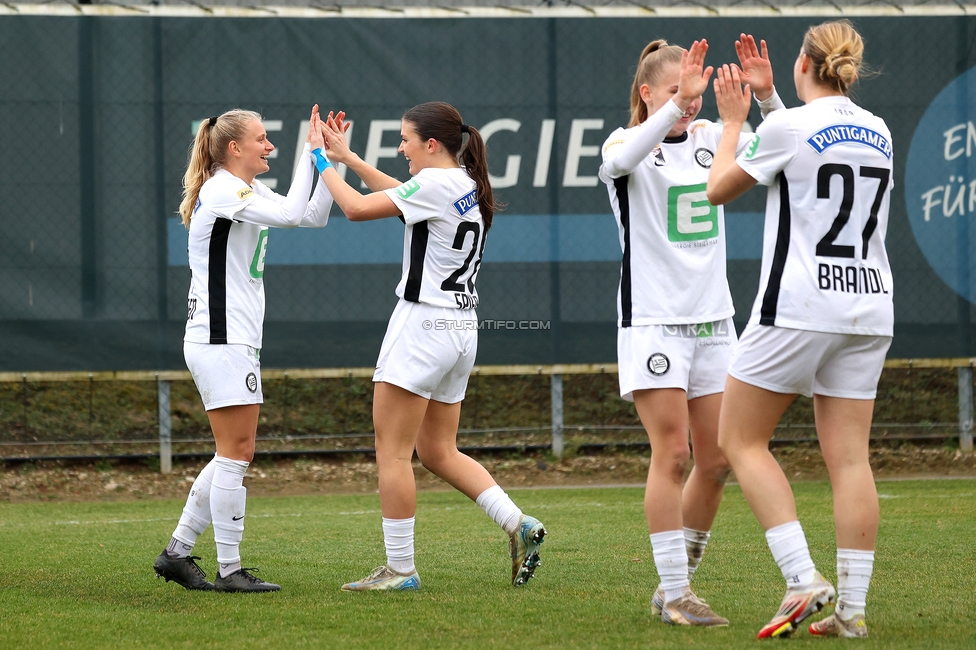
228	212
675	334
431	342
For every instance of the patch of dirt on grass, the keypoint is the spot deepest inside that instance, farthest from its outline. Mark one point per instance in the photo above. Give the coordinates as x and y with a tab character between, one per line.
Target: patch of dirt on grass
103	481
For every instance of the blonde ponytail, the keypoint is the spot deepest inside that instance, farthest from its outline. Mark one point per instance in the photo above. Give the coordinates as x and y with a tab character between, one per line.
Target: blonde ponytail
209	151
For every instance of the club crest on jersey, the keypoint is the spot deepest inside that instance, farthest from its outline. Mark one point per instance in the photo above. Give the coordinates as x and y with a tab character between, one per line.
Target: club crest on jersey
849	133
243	194
408	189
658	364
467	202
704	157
251	382
658	155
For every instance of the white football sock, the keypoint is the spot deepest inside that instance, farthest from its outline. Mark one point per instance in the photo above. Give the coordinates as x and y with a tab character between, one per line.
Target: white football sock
196	512
671	560
789	547
500	508
854	568
695	541
227	505
398	538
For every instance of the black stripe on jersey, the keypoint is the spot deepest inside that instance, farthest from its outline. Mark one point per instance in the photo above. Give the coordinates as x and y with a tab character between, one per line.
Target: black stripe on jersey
767	314
217	280
418	253
626	302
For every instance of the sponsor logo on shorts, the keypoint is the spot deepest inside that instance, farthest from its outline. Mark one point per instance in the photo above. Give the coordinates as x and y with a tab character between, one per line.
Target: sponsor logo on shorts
718	329
243	194
252	382
658	364
704	157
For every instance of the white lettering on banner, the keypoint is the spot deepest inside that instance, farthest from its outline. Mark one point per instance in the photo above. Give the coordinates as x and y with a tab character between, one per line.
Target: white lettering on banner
576	150
542	158
952	138
952	197
300	147
512	163
374	142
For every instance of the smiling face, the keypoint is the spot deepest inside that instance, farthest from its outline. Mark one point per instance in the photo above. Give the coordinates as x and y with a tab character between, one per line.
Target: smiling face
414	149
657	96
250	153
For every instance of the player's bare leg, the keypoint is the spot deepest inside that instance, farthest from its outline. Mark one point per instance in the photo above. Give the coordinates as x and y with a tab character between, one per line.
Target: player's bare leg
437	449
703	490
746	424
664	414
397	416
844	430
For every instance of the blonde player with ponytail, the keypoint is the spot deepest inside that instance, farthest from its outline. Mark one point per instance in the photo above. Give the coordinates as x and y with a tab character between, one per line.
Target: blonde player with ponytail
823	317
228	213
675	334
430	346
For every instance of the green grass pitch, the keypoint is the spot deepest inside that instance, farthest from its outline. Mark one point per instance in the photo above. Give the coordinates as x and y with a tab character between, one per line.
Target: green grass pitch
78	575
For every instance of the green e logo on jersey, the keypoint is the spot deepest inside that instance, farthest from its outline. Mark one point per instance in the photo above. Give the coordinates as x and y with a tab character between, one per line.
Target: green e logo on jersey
257	264
407	190
690	216
751	149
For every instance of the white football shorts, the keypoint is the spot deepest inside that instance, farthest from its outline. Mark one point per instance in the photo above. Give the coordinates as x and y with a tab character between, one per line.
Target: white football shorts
429	351
225	375
810	363
694	358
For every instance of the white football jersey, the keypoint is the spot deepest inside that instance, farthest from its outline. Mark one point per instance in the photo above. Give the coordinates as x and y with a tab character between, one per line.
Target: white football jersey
228	239
672	239
828	165
444	238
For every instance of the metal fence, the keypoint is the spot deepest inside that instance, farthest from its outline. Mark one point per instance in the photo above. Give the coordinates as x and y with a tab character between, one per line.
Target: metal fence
155	417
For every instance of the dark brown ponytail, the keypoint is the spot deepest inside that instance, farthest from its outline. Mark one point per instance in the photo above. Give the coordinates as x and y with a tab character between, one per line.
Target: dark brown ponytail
440	121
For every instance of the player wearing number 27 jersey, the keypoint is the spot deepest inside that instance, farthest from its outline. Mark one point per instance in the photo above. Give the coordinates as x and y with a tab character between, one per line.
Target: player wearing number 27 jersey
828	165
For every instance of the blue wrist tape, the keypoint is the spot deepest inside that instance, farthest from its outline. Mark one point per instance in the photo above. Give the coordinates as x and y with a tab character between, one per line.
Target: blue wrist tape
321	162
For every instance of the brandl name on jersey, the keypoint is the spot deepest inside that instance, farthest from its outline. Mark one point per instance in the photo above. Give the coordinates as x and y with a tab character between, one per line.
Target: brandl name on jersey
850	279
467	202
843	133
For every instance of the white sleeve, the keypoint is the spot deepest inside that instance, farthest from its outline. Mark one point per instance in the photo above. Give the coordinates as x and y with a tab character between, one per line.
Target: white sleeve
622	155
772	103
419	199
770	149
319	206
289	212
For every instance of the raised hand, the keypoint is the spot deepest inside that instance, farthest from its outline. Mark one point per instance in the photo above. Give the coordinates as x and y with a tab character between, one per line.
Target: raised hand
333	130
314	138
733	100
694	75
756	69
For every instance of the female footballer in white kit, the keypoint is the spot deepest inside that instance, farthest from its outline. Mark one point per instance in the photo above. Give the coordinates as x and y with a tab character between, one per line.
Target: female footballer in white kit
675	334
823	318
228	213
429	348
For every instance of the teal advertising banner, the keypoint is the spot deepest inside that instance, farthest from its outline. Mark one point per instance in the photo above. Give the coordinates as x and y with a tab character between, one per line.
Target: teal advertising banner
97	116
